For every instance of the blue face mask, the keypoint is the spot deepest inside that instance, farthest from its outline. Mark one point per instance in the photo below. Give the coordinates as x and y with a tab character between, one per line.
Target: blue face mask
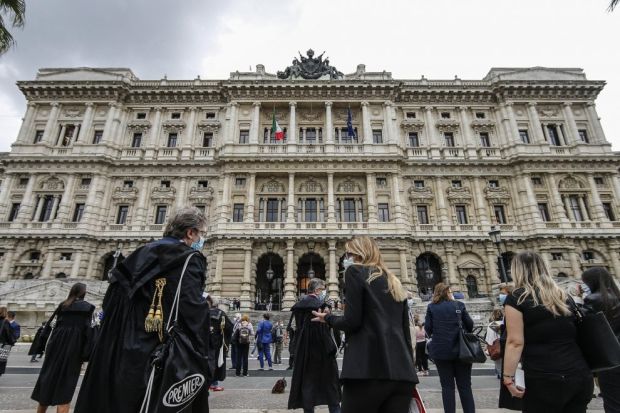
323	295
198	245
502	298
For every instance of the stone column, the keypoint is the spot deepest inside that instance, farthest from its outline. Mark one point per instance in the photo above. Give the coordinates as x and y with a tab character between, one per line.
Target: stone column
404	273
46	272
535	130
431	135
232	126
469	139
329	126
593	119
39	208
556	200
561	136
290	208
440	197
225	200
575	263
25	132
86	124
371	181
190	134
5	190
366	123
55	207
7	264
50	126
567	206
545	133
153	140
481	204
119	126
532	203
216	285
292	124
25	209
255	126
514	128
615	260
398	215
331	211
246	285
141	207
108	129
91	208
77	260
572	125
90	269
249	217
387	132
584	210
597	205
181	195
289	282
332	283
492	261
452	270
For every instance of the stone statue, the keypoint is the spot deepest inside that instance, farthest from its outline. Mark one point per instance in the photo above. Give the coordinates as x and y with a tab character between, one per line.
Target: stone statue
310	67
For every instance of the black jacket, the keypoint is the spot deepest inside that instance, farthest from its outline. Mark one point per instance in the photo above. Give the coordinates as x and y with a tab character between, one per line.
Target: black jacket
594	303
442	326
117	373
378	339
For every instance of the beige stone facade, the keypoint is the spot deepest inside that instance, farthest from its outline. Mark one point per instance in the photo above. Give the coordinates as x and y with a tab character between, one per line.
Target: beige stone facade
103	158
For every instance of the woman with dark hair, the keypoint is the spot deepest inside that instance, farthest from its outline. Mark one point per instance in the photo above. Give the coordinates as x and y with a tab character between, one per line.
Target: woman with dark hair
7	339
605	297
443	318
64	353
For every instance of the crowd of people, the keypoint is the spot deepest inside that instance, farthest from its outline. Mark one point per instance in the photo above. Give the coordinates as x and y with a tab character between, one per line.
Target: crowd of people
161	342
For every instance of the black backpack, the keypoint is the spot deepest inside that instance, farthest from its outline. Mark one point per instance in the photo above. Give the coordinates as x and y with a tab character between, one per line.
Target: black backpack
279	387
244	335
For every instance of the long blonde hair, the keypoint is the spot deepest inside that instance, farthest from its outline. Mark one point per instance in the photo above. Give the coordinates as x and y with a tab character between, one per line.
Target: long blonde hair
531	274
368	252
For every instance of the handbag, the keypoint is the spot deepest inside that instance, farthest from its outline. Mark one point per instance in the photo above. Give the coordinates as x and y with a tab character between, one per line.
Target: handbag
417	404
598	343
495	350
470	350
177	371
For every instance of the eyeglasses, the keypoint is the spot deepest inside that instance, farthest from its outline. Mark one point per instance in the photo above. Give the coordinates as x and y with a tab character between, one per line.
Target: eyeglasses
201	233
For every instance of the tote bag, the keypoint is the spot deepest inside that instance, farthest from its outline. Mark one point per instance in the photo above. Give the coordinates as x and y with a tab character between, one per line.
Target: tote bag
470	349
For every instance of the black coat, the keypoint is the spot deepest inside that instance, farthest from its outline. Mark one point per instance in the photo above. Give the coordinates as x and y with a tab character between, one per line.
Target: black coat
315	371
217	336
378	339
117	373
63	362
6	333
38	343
442	326
594	303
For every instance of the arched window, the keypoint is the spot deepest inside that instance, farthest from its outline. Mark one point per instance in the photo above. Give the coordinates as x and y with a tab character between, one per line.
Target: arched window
472	286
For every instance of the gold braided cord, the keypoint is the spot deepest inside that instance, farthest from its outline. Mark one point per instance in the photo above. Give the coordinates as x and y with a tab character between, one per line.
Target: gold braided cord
154	321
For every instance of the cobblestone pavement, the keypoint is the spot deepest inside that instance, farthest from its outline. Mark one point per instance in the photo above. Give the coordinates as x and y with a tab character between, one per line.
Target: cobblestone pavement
243	395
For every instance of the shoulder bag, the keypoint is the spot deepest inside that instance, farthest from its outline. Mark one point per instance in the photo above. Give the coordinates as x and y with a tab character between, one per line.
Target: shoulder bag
599	345
470	350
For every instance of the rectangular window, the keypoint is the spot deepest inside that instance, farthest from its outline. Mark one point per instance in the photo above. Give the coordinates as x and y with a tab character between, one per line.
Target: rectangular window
14	211
493	183
35	256
121	216
172	140
384	213
65	256
418	183
23	181
609	211
175	115
536	181
583	135
348	207
588	255
414	139
240	182
445	115
272	209
524	135
449	139
160	214
244	136
85	181
411	115
544	212
310	206
599	181
78	212
422	214
461	214
377	136
485	142
311	136
137	140
480	115
554	137
500	215
97	137
207	140
457	184
382	182
575	210
210	115
164	184
141	115
38	136
238	212
203	184
557	256
128	184
46	211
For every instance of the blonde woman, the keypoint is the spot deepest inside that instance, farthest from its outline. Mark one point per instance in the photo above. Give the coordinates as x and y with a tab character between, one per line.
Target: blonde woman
542	334
378	374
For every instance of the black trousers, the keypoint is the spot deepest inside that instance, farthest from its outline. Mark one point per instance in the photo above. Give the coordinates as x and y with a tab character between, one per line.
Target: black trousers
242	359
557	394
451	371
610	388
376	396
421	358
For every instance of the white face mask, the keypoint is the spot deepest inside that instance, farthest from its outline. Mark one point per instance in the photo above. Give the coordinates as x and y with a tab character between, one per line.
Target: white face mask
347	262
323	295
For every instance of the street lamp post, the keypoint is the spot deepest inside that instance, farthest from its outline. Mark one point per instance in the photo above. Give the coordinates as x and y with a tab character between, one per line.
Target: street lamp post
496	237
117	254
429	279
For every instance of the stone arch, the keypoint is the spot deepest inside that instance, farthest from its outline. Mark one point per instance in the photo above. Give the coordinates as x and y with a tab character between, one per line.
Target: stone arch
61	275
258	250
572	182
428	266
107	262
310	261
50	183
472	274
269	290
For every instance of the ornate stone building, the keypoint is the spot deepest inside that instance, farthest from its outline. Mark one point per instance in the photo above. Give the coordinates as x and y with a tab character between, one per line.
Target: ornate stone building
426	167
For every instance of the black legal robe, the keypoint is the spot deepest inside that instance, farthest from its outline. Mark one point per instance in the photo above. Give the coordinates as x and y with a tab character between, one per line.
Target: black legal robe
218	336
117	374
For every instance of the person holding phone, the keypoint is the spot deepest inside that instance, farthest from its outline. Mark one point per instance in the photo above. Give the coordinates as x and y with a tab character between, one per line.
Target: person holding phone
543	335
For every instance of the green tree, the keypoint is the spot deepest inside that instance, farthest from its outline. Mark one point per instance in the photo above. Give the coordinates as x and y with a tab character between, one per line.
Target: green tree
12	13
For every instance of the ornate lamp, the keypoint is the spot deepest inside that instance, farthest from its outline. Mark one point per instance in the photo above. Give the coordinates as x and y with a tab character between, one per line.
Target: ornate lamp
429	274
496	237
270	273
311	272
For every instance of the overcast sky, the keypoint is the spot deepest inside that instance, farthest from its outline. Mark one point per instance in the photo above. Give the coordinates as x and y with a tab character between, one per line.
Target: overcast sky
435	38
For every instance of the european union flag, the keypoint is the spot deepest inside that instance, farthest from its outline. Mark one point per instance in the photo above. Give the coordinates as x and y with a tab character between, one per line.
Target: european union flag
350	131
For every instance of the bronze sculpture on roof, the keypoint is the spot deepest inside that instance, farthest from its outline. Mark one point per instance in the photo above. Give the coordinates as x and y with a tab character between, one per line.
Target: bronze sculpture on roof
310	67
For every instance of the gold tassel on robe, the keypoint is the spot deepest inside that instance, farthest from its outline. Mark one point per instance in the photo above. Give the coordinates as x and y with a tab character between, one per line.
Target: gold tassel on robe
154	321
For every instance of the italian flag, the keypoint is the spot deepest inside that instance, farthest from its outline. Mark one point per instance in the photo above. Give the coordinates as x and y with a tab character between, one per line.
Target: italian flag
276	129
